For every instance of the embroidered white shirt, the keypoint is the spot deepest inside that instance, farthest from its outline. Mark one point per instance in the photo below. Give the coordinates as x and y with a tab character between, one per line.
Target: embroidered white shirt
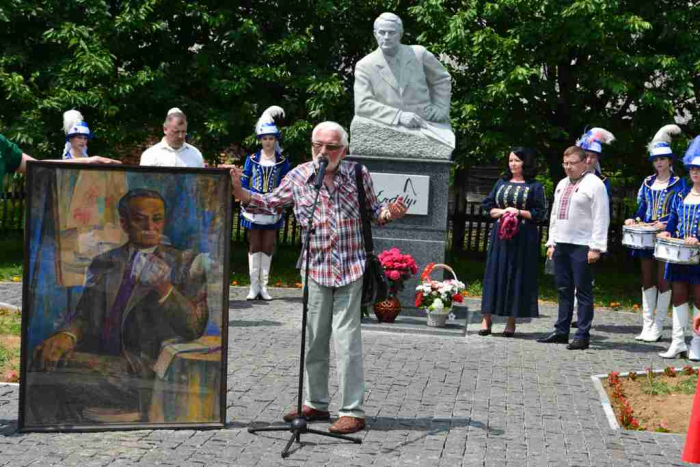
583	217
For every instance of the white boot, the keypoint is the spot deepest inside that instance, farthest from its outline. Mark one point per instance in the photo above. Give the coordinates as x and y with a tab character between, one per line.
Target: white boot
265	262
254	270
694	353
663	300
680	321
648	307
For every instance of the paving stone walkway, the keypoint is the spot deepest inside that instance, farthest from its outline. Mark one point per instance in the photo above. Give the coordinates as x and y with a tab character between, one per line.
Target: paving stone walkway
432	400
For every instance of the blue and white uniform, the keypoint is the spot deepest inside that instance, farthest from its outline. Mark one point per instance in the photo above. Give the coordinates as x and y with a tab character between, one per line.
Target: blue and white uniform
683	223
260	177
654	205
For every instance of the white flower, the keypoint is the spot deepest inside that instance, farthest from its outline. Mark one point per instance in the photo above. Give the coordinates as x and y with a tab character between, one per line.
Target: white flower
437	305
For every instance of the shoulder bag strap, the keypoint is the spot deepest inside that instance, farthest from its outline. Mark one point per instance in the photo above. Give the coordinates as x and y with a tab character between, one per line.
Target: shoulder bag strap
366	226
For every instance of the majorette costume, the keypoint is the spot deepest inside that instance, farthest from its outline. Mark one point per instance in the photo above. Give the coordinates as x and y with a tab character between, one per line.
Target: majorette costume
683	223
654	205
593	141
691	452
262	176
74	125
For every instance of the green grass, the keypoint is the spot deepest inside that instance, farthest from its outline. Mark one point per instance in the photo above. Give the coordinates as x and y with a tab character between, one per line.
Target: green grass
614	287
614	284
283	272
11	257
687	386
10	330
10	322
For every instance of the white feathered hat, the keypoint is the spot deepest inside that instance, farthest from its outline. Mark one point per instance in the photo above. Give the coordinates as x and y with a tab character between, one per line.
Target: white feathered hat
660	145
692	154
593	140
74	124
266	122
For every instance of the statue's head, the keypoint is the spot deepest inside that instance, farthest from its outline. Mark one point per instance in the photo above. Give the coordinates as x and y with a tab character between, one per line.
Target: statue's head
388	29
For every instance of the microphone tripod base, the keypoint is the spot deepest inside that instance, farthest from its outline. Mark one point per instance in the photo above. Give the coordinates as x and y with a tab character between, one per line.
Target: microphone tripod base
298	427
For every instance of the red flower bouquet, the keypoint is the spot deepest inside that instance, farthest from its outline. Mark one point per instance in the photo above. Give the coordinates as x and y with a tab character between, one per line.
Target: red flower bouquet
397	267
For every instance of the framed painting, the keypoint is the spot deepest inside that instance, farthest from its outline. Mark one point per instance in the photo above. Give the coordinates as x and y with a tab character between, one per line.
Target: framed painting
125	298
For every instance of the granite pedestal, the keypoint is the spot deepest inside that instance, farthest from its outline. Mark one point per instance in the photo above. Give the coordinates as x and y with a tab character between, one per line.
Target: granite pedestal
422	236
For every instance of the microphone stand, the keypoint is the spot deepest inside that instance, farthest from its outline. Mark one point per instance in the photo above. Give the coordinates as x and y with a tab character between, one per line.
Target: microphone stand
299	425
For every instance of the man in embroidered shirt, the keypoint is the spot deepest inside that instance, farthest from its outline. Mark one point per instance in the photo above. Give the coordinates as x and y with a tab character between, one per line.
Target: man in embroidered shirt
136	297
336	265
578	234
173	151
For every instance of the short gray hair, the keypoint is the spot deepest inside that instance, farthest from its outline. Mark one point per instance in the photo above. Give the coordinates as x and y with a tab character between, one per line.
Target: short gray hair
389	18
331	126
175	115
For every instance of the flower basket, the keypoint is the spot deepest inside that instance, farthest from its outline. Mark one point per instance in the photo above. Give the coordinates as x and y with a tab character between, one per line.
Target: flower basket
437	297
436	320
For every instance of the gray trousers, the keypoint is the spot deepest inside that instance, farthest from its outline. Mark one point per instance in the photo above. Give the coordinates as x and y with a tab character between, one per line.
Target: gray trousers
335	311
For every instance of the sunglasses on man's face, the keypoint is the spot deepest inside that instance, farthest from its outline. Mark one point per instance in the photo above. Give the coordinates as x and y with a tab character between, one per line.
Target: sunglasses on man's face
331	147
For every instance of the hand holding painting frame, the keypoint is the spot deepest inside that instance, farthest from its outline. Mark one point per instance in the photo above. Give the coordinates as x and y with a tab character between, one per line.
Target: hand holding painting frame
142	342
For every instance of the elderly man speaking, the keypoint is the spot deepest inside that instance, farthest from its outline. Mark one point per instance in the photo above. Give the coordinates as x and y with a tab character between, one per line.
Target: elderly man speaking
336	265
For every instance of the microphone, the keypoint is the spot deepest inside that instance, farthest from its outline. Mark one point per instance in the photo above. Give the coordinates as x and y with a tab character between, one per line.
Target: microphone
321	171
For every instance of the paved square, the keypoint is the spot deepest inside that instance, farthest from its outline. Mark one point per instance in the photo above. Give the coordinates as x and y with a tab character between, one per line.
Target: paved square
431	401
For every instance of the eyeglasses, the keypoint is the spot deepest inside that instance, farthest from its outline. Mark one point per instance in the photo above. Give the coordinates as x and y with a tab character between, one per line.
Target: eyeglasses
570	164
331	147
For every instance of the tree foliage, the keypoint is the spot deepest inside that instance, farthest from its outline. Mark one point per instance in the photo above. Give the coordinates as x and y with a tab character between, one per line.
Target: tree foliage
525	72
537	73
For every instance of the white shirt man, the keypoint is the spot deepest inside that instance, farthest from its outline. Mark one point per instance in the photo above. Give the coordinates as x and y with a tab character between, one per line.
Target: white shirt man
578	234
173	151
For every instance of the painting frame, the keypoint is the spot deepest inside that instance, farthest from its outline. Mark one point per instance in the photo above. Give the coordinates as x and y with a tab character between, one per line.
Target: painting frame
153	354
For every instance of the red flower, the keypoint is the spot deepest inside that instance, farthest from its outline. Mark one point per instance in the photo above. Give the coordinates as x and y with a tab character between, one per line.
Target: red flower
457	298
419	299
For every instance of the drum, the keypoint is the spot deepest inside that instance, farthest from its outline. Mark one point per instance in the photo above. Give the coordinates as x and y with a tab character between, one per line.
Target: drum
639	236
673	250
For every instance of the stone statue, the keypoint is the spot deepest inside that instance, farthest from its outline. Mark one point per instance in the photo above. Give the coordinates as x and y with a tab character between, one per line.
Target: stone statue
405	91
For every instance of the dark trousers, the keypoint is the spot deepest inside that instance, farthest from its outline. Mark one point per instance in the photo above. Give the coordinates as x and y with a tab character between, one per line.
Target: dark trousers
572	272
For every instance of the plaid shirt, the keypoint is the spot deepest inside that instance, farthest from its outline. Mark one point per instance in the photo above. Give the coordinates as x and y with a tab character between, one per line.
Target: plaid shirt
336	249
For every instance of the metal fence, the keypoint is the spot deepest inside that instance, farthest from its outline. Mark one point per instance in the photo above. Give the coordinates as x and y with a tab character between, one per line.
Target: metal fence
470	228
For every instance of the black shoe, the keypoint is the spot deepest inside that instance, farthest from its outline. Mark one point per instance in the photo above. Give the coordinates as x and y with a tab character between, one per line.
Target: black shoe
578	344
554	338
574	324
485	332
509	333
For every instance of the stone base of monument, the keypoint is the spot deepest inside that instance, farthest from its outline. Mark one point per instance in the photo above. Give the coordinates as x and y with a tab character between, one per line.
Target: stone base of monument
373	139
423	236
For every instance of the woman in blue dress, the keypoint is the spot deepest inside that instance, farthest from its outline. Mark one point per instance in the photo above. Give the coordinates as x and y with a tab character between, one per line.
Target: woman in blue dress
654	207
683	224
262	173
510	279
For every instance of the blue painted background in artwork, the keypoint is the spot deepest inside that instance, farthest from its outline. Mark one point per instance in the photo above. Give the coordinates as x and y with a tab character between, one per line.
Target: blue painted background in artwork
192	223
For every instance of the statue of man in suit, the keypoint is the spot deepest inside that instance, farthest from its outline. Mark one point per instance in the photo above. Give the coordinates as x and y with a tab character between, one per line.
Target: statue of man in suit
403	86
